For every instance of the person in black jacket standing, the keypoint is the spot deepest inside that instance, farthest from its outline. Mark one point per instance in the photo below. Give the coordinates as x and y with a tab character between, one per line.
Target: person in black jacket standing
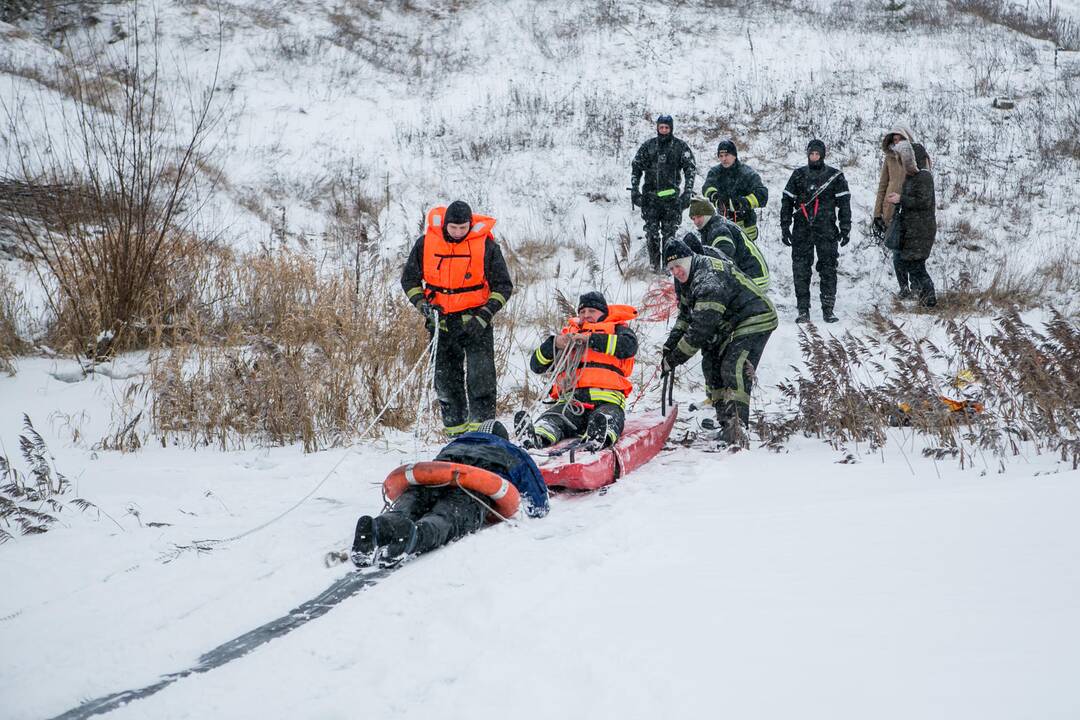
656	169
817	196
735	189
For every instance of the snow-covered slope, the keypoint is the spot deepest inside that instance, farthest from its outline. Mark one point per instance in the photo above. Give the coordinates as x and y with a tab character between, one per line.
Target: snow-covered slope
757	585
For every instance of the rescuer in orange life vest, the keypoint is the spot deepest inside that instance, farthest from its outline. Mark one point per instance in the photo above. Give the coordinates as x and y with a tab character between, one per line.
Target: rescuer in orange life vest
596	408
457	278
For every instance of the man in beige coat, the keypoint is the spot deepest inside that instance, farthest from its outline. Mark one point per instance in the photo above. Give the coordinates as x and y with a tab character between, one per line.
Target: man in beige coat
891	182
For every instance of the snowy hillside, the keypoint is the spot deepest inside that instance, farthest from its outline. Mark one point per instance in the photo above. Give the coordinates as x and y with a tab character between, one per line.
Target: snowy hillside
826	580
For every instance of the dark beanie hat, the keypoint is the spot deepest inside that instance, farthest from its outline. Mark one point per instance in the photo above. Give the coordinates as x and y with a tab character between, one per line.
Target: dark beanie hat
593	299
675	250
459	212
666	120
728	146
494	427
816	145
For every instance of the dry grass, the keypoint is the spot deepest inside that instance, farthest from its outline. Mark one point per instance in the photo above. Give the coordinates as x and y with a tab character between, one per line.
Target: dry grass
290	356
12	309
855	388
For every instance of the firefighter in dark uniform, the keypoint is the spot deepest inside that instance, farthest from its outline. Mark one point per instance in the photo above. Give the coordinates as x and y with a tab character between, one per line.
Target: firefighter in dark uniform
457	278
816	196
729	319
735	189
656	169
596	407
719	233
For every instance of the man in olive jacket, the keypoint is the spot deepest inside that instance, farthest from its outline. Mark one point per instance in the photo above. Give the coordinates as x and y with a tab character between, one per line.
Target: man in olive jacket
735	189
729	319
656	169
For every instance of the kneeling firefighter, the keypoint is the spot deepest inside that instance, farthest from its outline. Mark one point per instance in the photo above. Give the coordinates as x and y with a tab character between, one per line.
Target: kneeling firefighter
426	516
590	395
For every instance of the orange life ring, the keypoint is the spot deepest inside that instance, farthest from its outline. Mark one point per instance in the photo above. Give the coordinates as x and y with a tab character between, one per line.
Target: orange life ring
436	473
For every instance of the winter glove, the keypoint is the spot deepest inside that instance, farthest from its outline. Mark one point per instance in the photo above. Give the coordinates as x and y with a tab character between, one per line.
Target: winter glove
474	325
430	313
879	228
670	360
635	197
785	235
687	196
723	204
845	237
742	206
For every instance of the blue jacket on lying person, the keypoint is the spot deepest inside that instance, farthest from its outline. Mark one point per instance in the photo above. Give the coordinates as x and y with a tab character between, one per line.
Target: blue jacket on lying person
425	517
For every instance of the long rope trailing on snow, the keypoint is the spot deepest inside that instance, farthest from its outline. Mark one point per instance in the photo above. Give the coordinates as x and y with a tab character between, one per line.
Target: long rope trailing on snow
427	354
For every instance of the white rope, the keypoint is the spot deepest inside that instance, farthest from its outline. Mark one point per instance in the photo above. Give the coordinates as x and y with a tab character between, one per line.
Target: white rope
424	355
509	520
571	354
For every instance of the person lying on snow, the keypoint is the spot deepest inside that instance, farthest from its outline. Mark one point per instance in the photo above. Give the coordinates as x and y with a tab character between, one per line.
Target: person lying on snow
426	517
601	381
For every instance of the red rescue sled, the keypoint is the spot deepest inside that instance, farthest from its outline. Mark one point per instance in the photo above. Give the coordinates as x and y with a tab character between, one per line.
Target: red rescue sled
642	438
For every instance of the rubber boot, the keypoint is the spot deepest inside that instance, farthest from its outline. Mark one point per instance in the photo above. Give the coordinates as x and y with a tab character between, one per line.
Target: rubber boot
364	542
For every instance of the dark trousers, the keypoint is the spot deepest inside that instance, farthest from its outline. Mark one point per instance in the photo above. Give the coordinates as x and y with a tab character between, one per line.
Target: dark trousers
920	279
662	218
802	257
441	515
900	268
465	381
729	375
561	422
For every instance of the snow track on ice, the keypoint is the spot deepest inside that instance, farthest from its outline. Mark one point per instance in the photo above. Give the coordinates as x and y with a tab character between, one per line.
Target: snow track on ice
344	588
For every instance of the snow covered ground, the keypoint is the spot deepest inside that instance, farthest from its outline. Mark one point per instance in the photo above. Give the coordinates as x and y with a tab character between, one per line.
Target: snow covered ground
756	585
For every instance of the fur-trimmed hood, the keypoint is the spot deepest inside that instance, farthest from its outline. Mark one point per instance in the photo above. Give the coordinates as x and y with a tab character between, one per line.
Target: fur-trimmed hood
902	130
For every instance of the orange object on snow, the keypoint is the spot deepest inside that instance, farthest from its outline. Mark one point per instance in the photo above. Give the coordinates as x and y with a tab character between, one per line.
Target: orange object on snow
437	473
961	405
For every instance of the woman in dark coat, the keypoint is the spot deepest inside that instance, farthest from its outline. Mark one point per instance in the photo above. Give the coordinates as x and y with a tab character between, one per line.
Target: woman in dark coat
919	223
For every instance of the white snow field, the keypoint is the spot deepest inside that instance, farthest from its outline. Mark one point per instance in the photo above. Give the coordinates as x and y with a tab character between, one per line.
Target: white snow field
814	583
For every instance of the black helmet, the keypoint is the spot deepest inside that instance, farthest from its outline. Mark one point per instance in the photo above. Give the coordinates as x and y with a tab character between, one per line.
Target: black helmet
666	120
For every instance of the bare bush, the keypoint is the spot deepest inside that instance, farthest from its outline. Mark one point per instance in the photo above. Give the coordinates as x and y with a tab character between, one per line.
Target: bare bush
111	237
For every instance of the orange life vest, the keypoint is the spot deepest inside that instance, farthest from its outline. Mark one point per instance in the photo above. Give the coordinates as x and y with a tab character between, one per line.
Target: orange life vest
454	275
597	369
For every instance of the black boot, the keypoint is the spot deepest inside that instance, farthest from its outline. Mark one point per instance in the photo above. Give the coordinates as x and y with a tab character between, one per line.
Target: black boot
399	543
364	542
596	432
803	316
828	316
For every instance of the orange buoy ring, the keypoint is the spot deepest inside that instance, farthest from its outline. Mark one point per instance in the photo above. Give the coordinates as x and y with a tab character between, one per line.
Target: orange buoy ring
436	473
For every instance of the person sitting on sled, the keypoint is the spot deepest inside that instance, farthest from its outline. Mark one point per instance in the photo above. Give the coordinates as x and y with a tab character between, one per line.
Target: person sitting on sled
600	381
425	517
